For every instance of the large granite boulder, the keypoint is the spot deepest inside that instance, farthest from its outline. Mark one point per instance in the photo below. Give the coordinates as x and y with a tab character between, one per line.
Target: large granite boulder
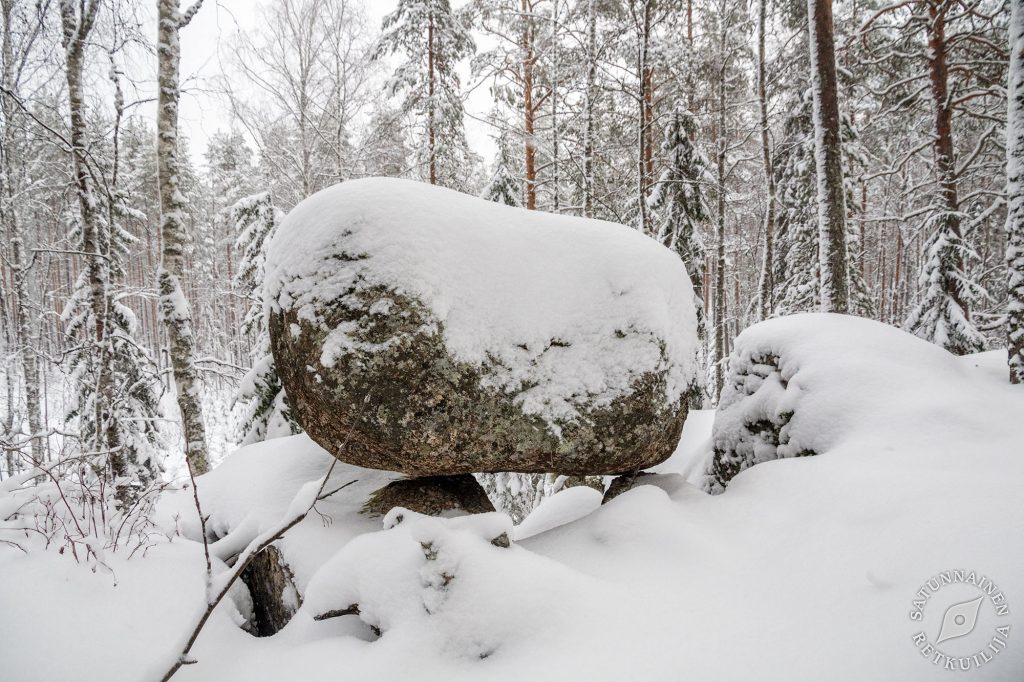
421	330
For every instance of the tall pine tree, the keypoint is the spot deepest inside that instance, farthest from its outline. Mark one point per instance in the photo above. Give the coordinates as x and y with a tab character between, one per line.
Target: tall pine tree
833	265
677	199
433	39
505	185
796	267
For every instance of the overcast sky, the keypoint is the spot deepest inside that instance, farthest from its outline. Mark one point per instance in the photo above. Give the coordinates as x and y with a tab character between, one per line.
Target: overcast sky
205	43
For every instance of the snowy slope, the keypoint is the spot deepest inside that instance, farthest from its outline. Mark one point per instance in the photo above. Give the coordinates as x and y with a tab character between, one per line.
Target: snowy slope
804	569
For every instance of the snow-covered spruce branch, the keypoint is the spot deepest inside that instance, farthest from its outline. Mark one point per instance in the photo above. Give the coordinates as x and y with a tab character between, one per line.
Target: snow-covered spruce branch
303	503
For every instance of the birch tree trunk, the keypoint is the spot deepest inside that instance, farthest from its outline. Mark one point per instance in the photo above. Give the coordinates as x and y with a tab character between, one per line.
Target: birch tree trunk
1015	195
77	21
766	285
174	308
833	260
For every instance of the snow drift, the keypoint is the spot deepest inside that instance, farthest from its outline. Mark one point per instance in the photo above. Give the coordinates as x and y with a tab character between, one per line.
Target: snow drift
804	569
798	385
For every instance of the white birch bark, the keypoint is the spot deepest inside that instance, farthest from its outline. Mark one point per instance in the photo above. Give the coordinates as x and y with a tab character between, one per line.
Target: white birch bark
174	308
77	22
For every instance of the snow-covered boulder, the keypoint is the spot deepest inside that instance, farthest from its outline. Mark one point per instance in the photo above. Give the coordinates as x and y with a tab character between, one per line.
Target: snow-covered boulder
798	385
421	330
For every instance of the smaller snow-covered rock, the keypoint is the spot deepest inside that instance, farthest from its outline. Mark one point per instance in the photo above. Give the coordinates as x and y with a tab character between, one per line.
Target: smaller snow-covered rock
405	573
421	330
797	385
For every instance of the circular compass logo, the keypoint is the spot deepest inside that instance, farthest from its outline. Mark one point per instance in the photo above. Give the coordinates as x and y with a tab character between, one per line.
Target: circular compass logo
963	620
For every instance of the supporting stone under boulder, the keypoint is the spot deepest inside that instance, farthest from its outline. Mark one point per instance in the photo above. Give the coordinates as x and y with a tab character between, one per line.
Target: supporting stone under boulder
431	495
624	483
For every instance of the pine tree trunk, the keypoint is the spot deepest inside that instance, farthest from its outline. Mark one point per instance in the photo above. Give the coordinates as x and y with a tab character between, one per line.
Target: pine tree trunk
945	159
529	146
689	23
766	285
833	257
645	157
720	293
591	96
1015	196
431	118
174	308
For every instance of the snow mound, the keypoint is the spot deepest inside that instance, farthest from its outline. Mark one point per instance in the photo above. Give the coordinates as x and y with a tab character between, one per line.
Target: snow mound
563	507
799	385
252	490
403	573
563	311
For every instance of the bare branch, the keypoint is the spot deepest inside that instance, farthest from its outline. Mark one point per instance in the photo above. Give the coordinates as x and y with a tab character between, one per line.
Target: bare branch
259	544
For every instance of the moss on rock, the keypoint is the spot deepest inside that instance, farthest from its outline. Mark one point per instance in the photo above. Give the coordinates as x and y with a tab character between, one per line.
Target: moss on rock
372	382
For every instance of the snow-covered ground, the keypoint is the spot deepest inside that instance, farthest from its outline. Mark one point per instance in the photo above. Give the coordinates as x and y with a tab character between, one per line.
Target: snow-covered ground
804	569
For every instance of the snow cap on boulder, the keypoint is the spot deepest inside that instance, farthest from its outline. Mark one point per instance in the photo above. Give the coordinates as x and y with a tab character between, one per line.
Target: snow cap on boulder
422	330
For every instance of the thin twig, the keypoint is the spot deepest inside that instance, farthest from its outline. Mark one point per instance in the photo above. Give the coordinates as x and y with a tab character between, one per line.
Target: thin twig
202	523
